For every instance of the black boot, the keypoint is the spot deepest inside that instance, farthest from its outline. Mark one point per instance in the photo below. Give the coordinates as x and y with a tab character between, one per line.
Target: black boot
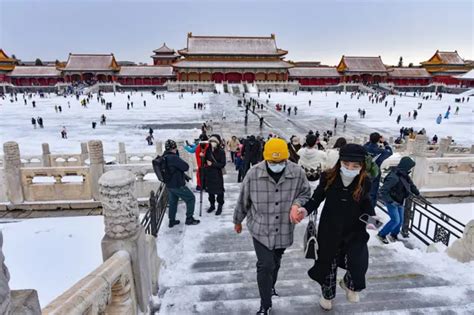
173	223
211	208
275	293
219	209
192	221
264	311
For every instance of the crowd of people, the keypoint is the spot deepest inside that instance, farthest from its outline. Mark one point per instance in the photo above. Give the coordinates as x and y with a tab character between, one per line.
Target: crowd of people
276	194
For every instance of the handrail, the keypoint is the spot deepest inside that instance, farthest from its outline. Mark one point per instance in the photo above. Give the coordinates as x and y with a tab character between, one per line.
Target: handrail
430	224
155	214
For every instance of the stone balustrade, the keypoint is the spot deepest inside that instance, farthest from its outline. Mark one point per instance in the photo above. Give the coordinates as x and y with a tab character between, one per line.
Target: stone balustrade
69	177
109	289
56	183
128	278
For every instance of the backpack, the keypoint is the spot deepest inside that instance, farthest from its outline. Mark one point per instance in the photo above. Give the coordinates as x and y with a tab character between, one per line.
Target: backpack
372	169
160	166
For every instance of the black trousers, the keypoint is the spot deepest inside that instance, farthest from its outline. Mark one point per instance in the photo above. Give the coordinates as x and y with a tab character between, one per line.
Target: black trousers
220	199
268	264
407	216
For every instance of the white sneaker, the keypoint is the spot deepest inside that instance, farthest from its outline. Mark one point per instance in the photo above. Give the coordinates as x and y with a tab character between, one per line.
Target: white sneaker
351	296
325	304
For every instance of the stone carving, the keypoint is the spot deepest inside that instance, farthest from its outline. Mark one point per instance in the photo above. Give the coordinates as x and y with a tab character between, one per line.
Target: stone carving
117	194
463	248
11	154
5	297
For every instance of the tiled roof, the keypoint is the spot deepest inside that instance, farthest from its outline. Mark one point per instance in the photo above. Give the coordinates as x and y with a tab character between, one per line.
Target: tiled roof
21	71
232	64
314	72
467	76
163	50
145	71
450	57
90	62
364	64
409	73
230	45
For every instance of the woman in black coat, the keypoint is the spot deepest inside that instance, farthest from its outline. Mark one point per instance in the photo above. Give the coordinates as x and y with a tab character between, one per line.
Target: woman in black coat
214	178
342	236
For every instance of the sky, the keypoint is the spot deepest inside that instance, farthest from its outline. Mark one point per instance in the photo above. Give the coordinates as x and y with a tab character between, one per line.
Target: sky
309	30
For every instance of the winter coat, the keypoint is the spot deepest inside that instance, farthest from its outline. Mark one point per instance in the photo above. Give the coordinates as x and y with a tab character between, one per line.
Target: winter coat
252	151
213	177
267	204
311	158
340	232
332	156
293	149
177	167
233	145
380	154
398	185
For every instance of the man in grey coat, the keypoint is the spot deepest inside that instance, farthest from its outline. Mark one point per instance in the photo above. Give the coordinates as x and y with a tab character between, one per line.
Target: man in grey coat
270	197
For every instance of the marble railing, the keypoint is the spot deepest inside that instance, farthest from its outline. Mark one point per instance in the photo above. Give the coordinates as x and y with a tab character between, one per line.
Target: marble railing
110	289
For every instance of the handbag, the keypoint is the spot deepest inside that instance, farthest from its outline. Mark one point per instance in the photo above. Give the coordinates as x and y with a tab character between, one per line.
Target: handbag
310	238
223	170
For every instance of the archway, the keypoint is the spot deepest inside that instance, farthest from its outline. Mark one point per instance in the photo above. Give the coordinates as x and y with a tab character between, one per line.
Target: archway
249	76
101	78
75	78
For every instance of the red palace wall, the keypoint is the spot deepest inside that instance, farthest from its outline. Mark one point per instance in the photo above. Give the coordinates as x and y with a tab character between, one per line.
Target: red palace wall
408	81
318	81
446	80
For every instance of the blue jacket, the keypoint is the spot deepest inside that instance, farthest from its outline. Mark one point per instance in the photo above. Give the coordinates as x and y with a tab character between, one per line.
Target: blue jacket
191	148
380	154
177	167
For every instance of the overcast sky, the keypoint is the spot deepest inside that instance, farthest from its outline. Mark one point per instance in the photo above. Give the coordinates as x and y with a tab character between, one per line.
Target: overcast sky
309	30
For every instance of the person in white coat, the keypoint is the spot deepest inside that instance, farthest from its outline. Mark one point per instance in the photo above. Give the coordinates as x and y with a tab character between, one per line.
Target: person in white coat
311	158
332	155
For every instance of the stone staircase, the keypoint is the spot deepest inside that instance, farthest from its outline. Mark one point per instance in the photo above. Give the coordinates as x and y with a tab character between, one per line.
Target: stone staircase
219	276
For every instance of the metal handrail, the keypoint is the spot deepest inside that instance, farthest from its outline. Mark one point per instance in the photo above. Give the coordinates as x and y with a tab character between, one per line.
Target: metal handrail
430	224
155	214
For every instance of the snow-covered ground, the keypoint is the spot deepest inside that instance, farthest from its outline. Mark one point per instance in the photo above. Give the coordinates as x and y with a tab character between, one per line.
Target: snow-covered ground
51	254
323	104
122	125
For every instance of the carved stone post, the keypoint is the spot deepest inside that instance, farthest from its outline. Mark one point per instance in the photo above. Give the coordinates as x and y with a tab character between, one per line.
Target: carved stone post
443	146
123	230
96	158
84	152
122	156
12	164
420	172
5	296
46	156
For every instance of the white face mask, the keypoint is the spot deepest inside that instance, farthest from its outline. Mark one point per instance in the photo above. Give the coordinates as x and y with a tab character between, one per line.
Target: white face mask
277	168
349	173
214	145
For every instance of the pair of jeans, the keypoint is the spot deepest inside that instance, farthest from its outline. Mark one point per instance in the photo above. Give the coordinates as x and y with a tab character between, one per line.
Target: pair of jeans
268	264
232	156
395	211
188	197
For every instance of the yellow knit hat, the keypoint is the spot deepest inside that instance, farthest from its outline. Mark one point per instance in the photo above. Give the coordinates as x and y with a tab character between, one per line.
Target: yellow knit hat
276	150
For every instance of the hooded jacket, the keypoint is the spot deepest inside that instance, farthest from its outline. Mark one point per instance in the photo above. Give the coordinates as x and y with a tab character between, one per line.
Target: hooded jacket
398	185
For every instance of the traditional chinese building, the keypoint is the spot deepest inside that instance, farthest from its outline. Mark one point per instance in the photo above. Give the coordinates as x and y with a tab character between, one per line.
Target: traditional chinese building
164	56
362	69
145	75
445	66
35	76
6	65
409	76
90	68
467	79
232	59
315	75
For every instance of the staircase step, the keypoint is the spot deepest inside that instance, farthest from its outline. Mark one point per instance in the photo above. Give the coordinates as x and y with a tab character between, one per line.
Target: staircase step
429	298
